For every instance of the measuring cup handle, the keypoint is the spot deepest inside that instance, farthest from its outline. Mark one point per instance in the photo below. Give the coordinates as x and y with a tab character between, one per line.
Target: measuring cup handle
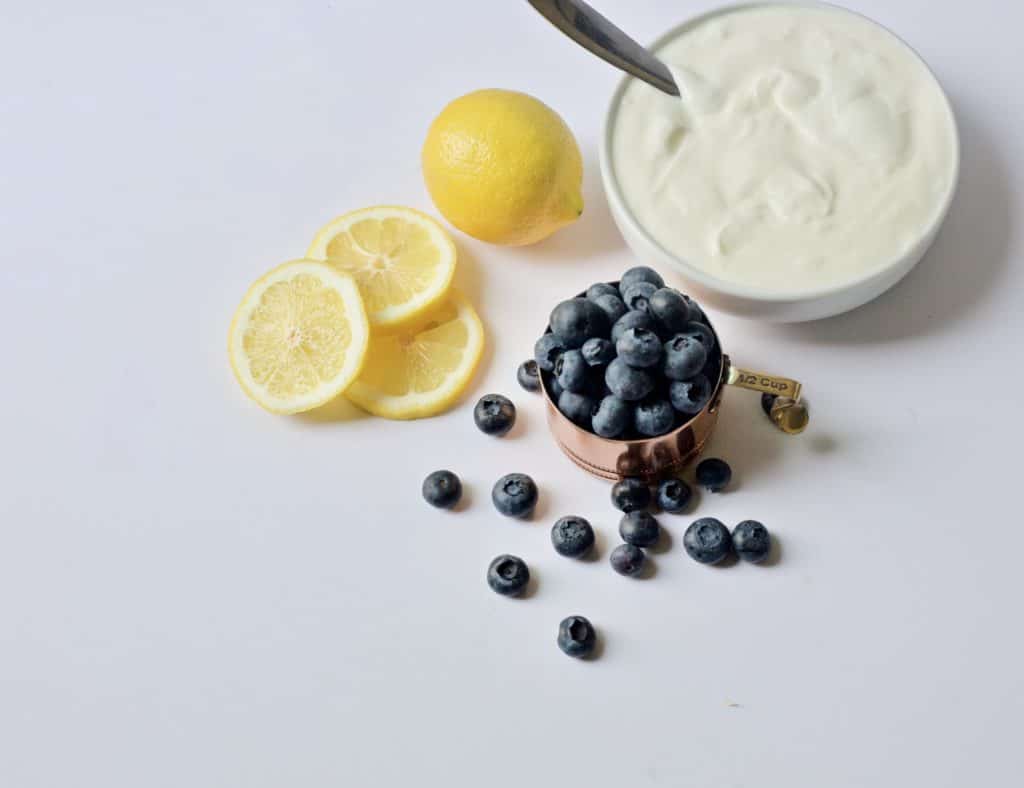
766	384
787	412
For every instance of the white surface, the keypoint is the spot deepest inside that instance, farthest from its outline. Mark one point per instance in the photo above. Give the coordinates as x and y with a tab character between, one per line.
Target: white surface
196	593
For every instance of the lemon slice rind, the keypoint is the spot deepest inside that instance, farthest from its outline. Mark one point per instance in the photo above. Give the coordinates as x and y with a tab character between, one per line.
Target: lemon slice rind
394	314
355	353
422	404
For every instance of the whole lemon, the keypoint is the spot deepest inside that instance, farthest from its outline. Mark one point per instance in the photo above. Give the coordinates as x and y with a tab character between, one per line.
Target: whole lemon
503	167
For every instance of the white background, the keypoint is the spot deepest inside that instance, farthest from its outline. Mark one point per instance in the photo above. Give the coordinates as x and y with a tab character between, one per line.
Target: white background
196	593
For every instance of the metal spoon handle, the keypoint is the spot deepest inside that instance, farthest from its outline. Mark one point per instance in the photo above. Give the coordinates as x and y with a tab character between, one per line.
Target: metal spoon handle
593	32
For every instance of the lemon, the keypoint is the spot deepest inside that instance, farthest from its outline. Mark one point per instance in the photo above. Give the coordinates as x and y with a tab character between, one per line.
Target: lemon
422	370
299	337
402	260
503	167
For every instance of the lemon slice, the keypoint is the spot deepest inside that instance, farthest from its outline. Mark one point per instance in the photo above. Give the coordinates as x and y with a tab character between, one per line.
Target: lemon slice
299	337
422	370
402	259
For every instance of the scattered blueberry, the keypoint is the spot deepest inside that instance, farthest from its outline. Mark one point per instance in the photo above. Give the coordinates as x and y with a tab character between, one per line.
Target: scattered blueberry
639	528
613	306
639	347
631	495
576	320
640	273
702	333
494	414
571	371
670	308
613	417
673	495
707	540
572	536
627	559
635	319
442	489
508	575
714	474
654	416
599	289
626	382
547	350
528	375
767	400
597	351
638	296
514	495
576	636
578	408
690	396
751	541
685	357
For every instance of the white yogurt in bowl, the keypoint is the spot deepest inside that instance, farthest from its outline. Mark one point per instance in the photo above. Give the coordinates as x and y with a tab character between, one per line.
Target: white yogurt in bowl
805	168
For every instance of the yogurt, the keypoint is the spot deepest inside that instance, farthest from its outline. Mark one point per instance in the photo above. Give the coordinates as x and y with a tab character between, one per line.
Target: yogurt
809	148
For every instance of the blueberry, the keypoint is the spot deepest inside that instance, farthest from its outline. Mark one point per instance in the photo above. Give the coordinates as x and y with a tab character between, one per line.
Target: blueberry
702	333
627	383
714	474
635	319
696	313
597	352
639	528
751	541
494	414
547	350
631	495
442	489
767	400
654	417
670	308
707	540
571	371
553	386
690	396
685	357
578	408
572	536
640	274
613	306
528	375
674	495
613	417
576	636
508	575
576	320
627	559
638	296
599	289
514	495
639	347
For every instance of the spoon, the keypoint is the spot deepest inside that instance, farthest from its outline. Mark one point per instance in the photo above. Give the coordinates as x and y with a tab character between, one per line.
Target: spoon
595	33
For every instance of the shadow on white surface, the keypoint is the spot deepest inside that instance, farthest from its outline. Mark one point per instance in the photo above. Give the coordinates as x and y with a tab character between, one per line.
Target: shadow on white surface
338	409
962	267
744	438
774	555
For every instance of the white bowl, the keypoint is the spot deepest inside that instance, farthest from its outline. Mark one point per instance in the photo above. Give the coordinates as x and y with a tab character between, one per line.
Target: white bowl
746	301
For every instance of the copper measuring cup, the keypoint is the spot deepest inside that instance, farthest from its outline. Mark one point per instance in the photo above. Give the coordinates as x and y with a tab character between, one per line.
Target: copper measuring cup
652	458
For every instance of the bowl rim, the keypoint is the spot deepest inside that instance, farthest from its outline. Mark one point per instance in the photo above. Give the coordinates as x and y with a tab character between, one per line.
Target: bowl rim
714	283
